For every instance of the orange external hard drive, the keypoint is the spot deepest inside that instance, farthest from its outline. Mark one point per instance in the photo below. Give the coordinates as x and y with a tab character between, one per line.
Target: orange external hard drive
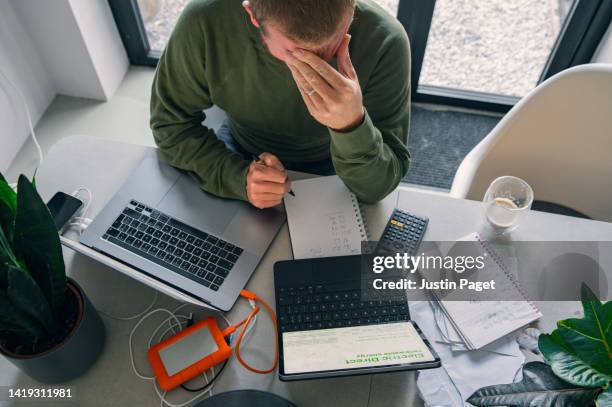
189	353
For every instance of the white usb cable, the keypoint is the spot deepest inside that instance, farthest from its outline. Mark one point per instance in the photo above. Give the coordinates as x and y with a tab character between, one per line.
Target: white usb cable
82	222
28	115
172	322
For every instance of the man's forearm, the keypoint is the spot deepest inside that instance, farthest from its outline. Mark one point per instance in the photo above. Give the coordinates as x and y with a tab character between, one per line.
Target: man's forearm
369	166
196	149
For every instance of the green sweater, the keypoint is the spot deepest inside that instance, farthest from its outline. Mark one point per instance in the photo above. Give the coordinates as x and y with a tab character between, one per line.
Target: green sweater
215	56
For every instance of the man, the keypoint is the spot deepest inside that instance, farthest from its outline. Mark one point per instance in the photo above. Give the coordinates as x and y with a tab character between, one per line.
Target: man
320	86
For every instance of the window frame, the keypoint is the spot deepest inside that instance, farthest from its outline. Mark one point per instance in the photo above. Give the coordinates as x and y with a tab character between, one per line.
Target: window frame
582	31
133	33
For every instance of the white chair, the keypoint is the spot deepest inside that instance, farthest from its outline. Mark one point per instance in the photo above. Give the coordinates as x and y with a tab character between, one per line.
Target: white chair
558	138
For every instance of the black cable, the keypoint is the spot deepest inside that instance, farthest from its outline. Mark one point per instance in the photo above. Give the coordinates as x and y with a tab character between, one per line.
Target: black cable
206	386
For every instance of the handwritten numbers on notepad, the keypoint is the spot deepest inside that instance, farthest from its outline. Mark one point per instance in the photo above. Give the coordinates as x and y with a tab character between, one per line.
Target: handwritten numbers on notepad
325	220
340	232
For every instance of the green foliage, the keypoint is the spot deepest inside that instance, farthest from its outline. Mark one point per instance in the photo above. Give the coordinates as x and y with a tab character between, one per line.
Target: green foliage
8	207
7	195
605	398
590	338
14	323
567	365
32	272
579	356
34	304
36	241
539	387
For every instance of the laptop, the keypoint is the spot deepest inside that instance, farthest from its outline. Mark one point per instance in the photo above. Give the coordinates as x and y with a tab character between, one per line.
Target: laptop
325	329
162	224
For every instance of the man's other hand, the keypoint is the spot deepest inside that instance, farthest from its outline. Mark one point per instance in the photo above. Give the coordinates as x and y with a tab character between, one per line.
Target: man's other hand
267	182
332	97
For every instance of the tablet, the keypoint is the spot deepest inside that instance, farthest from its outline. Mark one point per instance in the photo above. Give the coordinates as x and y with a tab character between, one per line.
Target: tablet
366	349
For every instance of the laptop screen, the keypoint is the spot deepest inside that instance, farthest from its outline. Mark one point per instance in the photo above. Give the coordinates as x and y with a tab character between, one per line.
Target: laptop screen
353	348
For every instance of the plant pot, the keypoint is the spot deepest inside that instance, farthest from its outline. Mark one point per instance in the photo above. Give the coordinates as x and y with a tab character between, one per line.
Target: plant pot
75	354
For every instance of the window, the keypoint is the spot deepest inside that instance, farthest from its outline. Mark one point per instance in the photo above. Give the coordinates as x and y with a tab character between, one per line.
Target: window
496	46
159	18
478	54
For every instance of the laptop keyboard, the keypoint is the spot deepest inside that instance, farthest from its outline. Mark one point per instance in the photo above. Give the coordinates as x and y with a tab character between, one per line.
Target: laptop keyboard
307	308
157	237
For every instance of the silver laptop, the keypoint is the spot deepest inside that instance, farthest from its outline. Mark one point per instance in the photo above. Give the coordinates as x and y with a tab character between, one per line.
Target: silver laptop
161	223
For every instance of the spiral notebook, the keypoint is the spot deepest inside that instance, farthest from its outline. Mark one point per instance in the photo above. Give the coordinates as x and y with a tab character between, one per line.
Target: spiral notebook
324	219
479	323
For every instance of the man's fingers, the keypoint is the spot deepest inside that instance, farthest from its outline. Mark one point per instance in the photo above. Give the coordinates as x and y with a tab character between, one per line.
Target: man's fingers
344	59
305	92
318	102
269	174
303	87
299	79
313	107
313	101
272	161
267	204
266	187
320	66
268	197
313	79
266	184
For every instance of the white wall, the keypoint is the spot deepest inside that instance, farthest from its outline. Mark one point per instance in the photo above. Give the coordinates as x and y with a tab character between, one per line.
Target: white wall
21	63
604	51
79	43
49	47
100	33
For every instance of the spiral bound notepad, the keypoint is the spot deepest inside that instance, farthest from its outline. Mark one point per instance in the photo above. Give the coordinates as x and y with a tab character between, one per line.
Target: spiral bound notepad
479	323
325	219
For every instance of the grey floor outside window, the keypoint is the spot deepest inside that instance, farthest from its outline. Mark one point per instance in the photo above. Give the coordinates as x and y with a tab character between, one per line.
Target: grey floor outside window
493	46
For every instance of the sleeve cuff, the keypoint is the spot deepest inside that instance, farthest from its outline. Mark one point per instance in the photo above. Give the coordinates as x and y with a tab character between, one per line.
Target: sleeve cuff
239	183
357	142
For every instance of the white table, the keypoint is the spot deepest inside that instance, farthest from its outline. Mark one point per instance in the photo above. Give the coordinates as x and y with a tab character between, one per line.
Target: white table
102	166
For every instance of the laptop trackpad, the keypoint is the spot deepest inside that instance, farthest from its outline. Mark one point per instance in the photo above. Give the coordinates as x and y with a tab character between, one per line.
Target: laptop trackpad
188	203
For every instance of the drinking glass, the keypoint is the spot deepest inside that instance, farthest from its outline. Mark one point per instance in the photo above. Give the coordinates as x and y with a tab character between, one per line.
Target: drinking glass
508	199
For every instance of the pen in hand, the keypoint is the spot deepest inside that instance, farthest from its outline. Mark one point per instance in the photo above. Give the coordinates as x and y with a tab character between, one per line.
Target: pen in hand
258	160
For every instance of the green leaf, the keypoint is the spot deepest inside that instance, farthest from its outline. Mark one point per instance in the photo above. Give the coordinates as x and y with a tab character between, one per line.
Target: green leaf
605	398
567	365
37	242
589	338
8	207
539	388
3	272
8	195
4	259
7	219
15	324
7	257
26	295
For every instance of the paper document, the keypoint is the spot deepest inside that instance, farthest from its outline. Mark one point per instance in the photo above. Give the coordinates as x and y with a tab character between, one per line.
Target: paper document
353	347
481	322
462	373
324	219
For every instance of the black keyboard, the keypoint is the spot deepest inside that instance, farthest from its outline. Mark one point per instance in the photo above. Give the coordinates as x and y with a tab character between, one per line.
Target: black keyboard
305	308
157	237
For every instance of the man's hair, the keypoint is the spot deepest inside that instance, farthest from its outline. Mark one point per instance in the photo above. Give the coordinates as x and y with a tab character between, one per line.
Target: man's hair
307	21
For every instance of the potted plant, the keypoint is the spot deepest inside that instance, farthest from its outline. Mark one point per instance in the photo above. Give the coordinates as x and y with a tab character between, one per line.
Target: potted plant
578	371
48	326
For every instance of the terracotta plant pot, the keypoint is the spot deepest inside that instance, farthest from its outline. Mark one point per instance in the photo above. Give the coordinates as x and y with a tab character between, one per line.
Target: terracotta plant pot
75	354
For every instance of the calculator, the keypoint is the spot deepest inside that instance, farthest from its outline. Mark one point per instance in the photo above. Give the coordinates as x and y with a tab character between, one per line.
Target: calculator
403	233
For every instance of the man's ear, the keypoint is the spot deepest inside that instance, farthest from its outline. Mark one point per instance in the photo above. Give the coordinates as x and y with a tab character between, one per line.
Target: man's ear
247	6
